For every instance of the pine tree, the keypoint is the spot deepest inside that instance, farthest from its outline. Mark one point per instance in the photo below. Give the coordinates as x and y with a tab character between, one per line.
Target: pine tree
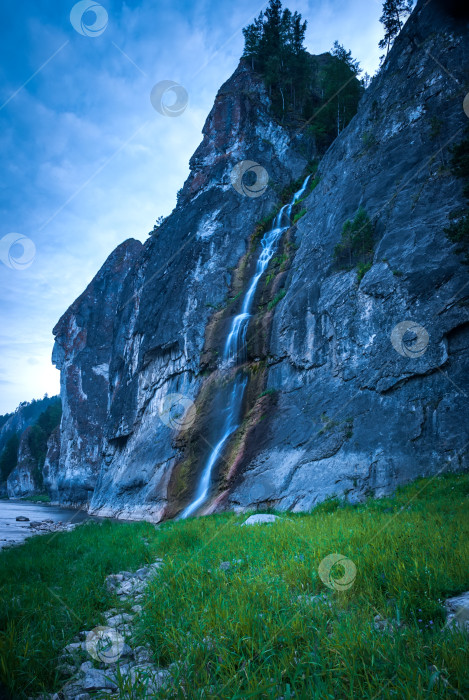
325	93
394	14
274	45
346	57
252	38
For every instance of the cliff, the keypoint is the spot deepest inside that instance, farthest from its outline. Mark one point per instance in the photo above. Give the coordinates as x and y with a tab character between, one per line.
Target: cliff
24	479
82	353
23	438
363	402
25	415
341	398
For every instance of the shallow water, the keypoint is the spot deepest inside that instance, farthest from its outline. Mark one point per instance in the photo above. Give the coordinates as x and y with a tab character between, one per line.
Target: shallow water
13	531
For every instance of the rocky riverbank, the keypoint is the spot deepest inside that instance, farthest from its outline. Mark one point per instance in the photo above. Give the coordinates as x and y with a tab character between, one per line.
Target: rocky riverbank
22	519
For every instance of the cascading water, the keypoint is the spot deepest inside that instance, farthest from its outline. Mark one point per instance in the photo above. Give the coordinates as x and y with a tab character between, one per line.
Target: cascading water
235	349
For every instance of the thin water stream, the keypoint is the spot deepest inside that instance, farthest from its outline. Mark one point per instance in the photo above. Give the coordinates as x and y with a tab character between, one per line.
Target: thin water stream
234	353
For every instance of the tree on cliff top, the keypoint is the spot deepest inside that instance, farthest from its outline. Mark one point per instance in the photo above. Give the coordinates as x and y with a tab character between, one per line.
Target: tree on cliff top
394	14
322	91
274	45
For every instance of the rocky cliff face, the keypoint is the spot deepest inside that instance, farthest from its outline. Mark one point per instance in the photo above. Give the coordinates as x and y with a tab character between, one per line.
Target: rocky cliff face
23	480
370	374
167	302
50	470
353	407
82	353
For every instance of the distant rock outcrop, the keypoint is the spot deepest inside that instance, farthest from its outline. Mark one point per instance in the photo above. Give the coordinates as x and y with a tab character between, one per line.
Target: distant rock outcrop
25	415
24	479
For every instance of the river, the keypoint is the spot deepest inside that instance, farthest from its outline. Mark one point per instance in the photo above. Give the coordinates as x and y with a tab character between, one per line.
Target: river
13	531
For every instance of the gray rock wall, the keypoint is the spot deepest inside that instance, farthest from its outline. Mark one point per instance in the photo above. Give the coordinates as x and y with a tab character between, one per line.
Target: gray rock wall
355	414
50	470
23	480
82	353
184	273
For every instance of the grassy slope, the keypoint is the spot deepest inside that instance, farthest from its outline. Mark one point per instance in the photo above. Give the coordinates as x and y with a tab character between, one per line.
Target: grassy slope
243	632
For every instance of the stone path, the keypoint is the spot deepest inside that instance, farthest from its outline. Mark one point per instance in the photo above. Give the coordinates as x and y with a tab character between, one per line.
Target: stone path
109	648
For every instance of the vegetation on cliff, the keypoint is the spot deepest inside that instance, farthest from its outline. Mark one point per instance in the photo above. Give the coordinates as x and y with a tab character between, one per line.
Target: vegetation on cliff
321	92
356	245
9	456
39	434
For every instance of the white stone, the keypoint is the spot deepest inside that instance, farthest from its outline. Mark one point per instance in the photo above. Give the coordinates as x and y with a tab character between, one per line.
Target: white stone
98	680
457	609
260	519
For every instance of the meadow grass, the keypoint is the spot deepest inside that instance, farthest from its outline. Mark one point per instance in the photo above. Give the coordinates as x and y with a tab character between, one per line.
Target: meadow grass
51	587
254	629
38	498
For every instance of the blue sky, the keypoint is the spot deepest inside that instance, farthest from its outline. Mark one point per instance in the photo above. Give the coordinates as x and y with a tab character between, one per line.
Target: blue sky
88	162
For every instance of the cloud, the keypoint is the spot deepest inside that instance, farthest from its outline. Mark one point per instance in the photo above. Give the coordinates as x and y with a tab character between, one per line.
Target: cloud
87	160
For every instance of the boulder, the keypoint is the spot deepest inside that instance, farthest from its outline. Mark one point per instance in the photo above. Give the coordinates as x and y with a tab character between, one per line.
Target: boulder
261	519
457	610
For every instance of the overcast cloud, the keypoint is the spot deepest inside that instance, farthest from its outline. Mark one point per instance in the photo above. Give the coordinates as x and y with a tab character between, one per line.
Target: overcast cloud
88	162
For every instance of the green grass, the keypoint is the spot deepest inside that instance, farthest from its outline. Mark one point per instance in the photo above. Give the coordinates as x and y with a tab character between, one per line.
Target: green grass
38	498
51	588
298	216
244	632
278	297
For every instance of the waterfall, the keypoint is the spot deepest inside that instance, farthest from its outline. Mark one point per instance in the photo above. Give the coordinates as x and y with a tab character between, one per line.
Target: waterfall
235	349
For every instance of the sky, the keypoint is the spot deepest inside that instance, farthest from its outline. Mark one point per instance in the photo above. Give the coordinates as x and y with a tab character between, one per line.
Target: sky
87	161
